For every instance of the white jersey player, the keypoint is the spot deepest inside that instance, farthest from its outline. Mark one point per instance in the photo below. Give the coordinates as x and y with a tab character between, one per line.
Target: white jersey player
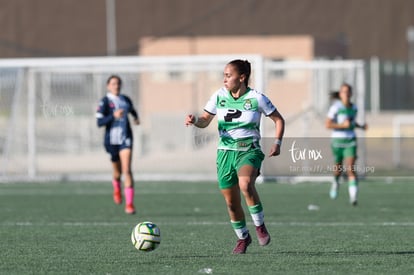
239	156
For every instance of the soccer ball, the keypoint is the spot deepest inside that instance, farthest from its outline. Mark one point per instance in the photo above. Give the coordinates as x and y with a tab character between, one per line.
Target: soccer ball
146	236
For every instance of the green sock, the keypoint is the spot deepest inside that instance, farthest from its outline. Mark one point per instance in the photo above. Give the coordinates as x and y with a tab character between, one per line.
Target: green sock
353	182
256	208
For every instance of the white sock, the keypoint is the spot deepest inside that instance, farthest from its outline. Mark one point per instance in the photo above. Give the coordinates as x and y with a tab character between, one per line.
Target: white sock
240	229
353	191
241	232
258	218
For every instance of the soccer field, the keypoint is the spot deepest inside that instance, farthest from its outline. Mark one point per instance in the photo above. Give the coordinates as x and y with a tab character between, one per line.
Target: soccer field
74	228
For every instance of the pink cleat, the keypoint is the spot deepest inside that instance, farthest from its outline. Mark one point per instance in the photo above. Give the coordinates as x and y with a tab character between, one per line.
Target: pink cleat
130	209
117	197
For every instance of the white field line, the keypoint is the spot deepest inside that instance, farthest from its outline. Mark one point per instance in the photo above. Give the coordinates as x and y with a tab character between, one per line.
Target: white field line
204	223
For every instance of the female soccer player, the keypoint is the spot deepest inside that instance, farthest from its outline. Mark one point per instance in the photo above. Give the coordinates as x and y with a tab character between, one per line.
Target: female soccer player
113	113
239	156
341	119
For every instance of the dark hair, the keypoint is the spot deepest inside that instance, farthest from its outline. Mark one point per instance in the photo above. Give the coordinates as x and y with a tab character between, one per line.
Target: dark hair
116	77
334	95
242	67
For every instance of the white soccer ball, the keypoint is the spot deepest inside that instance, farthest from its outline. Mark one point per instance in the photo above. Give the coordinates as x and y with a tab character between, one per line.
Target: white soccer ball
146	236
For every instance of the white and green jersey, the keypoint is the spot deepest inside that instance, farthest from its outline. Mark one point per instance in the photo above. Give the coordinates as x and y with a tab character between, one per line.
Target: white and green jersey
239	119
338	113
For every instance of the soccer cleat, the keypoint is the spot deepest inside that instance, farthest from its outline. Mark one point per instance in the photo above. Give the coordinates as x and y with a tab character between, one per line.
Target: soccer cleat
262	235
117	197
130	209
242	245
354	202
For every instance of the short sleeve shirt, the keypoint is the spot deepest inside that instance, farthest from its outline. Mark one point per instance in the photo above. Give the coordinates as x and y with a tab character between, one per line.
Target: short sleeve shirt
338	113
239	119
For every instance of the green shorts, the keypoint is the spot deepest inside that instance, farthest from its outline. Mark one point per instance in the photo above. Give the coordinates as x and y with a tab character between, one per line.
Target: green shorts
229	162
344	148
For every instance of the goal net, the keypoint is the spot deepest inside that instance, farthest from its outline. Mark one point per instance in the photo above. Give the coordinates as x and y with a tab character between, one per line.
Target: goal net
49	128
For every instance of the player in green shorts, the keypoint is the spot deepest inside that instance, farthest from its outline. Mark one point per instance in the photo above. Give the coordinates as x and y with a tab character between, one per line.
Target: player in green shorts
341	119
239	156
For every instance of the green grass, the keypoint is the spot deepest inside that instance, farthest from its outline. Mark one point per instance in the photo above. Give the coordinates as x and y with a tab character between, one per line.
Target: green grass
74	228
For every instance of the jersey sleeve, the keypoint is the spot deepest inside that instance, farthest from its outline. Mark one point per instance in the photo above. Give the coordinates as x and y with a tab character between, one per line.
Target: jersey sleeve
211	105
103	116
265	105
132	110
333	110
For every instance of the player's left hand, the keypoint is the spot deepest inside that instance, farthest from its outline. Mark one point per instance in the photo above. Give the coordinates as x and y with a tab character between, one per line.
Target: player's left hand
275	150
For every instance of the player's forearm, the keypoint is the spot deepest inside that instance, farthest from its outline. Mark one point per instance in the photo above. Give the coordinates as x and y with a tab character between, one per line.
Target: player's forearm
200	122
332	125
361	126
280	128
134	114
103	121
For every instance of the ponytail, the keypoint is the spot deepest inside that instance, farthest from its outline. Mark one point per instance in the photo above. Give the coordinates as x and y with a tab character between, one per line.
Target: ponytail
334	95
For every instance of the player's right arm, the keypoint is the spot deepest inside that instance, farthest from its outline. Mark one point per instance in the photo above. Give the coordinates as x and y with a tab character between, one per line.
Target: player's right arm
331	123
104	115
201	121
207	116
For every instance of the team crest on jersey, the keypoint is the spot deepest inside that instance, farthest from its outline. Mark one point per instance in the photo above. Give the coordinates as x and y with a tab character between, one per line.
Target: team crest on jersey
222	103
247	104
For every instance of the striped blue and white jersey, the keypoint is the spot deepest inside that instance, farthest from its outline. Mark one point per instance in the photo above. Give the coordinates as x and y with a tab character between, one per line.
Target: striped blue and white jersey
117	131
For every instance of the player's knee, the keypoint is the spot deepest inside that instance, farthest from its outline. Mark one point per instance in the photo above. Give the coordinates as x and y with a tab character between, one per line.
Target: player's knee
246	186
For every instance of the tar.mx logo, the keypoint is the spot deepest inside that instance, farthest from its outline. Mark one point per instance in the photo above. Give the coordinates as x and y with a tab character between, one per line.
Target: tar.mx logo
55	110
298	153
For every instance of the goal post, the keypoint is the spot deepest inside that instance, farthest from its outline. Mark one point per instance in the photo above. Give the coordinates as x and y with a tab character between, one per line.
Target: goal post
398	137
